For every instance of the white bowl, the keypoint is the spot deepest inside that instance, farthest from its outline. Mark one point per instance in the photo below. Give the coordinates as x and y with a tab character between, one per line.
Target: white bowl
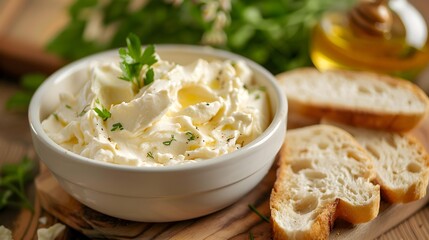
157	194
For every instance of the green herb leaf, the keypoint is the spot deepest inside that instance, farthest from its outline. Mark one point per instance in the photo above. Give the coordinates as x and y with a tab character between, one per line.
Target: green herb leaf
32	81
190	135
84	110
80	5
127	72
253	208
72	35
5	198
148	57
239	38
103	112
117	126
68	106
149	77
134	48
13	178
251	237
133	61
168	143
19	101
149	155
56	116
130	64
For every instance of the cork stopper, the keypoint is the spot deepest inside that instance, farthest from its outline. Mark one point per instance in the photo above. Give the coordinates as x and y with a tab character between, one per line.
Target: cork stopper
372	17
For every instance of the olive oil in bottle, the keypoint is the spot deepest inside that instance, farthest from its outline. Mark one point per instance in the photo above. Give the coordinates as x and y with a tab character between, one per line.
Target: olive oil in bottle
376	35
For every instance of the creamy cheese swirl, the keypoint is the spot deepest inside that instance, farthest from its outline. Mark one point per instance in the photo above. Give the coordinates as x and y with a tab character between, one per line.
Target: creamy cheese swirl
189	113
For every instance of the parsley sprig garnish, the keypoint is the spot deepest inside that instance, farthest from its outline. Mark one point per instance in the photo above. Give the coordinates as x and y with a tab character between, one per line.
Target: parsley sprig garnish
13	177
117	126
102	112
168	143
133	60
190	135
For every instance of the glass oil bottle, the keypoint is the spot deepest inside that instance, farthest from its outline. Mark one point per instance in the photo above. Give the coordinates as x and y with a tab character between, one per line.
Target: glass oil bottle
376	35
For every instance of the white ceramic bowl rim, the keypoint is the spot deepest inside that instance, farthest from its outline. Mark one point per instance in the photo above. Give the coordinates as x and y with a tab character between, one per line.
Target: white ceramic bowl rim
280	112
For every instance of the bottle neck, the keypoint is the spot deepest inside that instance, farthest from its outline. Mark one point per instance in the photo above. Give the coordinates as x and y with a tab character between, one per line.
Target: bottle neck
372	17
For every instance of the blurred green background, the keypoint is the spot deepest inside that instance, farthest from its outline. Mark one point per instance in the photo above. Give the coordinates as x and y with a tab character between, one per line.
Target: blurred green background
274	33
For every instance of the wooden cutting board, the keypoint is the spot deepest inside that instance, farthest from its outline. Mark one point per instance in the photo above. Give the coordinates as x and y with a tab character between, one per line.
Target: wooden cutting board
234	222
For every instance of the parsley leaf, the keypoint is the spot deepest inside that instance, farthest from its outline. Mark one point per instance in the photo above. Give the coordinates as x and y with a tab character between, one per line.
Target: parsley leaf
21	99
117	126
13	177
133	60
190	135
134	48
150	155
149	77
148	57
103	112
32	81
168	143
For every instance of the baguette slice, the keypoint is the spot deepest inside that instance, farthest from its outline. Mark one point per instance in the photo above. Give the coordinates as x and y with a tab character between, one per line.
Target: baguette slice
323	174
356	98
401	162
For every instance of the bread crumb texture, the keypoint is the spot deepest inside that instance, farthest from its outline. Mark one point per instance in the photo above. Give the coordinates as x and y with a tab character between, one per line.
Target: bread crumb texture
366	91
323	174
401	162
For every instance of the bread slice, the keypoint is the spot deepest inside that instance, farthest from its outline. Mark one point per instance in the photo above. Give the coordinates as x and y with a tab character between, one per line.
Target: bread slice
356	98
400	161
297	120
323	174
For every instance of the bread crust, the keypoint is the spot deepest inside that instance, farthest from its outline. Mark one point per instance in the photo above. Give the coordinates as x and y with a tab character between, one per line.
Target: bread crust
388	122
326	214
324	222
399	122
402	192
418	189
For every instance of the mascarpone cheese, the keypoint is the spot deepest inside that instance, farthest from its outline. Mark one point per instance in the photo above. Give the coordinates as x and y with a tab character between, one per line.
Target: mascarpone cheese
187	114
